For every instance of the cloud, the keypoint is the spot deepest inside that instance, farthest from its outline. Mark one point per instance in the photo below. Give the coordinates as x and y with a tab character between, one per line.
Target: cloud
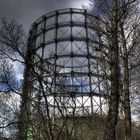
27	11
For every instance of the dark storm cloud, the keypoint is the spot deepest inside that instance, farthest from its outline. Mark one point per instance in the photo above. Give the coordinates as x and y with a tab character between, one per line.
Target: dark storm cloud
27	11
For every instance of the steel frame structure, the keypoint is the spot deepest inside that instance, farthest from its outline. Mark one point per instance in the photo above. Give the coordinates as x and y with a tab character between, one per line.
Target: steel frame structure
71	70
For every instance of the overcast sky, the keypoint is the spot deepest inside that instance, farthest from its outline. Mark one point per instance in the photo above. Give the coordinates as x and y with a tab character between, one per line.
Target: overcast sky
27	11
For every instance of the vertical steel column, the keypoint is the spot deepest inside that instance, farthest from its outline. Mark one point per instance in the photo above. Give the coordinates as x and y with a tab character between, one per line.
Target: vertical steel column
88	56
43	22
106	88
82	100
55	61
35	26
99	85
72	72
72	57
42	47
43	37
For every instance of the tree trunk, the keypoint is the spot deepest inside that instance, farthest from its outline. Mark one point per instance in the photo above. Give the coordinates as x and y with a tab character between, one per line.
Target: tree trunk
111	121
127	110
126	94
23	118
26	90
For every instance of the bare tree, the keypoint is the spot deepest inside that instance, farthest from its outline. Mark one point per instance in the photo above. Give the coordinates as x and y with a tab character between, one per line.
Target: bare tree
14	47
128	42
113	16
9	101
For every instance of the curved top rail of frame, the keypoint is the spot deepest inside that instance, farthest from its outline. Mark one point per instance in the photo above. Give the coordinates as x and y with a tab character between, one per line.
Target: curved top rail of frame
61	12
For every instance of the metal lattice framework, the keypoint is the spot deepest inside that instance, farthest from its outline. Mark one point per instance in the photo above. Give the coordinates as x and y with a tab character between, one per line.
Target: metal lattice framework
72	71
